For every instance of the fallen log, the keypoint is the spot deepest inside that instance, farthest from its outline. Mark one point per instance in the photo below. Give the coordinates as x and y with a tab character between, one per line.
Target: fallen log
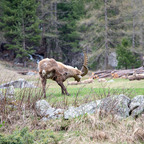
81	82
128	71
22	72
104	71
117	73
105	75
120	73
27	72
101	74
136	77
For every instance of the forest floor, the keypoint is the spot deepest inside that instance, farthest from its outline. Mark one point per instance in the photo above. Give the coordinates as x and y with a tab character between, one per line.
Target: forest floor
26	127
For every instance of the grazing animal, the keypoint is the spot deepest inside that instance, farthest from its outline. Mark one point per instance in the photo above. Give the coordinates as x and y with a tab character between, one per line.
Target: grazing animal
59	72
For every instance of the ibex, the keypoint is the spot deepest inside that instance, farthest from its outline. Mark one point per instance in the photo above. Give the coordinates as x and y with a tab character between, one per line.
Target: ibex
59	72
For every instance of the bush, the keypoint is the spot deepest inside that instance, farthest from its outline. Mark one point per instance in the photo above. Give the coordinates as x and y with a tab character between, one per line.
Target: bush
18	137
25	137
127	59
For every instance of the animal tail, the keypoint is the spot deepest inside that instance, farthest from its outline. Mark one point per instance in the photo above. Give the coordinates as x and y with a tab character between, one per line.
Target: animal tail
43	73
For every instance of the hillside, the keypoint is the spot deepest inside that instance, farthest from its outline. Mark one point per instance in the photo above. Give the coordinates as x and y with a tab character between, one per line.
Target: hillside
9	72
20	121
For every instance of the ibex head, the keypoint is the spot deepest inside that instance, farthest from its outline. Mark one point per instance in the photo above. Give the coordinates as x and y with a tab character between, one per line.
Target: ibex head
84	70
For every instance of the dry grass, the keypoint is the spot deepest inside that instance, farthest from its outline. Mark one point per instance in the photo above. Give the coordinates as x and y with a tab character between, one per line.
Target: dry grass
8	73
92	129
87	129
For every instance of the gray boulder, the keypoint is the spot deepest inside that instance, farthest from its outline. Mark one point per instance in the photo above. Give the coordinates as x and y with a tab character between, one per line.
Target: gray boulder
42	106
137	105
10	91
112	60
1	96
21	83
73	112
116	105
31	73
46	111
120	106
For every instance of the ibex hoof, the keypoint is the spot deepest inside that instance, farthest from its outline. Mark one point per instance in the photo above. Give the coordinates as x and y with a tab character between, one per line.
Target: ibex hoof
68	94
44	96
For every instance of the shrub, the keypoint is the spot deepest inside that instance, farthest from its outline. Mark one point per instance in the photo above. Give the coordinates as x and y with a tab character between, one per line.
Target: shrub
18	137
127	59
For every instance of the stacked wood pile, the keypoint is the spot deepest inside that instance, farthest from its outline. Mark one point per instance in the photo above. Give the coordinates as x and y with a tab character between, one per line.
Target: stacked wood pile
22	72
131	74
136	77
87	81
27	72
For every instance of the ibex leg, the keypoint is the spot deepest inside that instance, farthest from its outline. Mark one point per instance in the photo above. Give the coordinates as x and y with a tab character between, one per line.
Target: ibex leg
43	81
64	90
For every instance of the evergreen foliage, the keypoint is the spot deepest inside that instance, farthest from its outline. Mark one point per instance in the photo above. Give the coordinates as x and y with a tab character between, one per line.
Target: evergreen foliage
69	35
21	26
127	59
63	28
24	136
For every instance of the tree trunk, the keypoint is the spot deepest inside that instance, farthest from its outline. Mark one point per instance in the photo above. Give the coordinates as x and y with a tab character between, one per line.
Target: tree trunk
43	39
23	31
141	35
23	42
56	31
133	23
51	9
106	36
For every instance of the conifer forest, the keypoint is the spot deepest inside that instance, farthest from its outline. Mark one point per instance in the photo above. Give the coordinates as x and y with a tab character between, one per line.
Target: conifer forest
62	29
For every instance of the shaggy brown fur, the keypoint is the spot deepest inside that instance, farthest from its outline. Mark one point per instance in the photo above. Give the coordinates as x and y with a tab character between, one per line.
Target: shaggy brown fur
57	71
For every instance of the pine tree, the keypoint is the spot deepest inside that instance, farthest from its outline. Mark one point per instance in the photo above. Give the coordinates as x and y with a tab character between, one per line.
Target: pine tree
70	13
104	30
127	59
48	13
21	26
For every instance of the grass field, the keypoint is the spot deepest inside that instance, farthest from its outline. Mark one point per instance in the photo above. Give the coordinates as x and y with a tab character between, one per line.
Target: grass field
78	93
22	126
